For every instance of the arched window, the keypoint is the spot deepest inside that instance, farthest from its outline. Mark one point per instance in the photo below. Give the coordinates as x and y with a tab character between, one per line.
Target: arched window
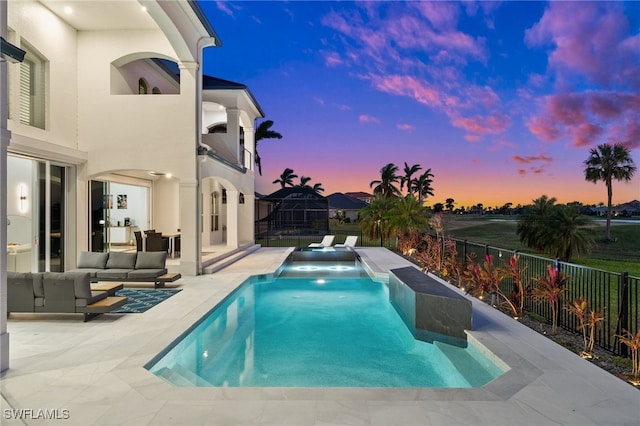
143	87
155	91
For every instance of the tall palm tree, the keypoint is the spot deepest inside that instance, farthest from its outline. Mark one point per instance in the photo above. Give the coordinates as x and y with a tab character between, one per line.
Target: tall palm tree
422	185
408	172
286	178
263	132
606	163
386	185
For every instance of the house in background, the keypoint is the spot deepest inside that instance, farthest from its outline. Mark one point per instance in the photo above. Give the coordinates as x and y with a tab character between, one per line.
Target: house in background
292	210
111	126
362	196
344	207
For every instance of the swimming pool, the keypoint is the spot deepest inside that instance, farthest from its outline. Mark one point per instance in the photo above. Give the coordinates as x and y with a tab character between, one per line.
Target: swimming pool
317	325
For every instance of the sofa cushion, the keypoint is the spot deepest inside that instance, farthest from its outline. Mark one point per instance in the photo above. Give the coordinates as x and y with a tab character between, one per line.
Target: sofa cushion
20	292
93	260
81	282
91	271
119	260
113	274
151	260
140	274
38	287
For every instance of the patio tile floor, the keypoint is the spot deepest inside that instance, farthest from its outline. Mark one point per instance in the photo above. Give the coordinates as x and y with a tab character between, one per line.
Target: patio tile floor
95	371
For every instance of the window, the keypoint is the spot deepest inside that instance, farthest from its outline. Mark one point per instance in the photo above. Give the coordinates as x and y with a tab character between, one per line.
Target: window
241	198
215	216
32	88
155	91
224	196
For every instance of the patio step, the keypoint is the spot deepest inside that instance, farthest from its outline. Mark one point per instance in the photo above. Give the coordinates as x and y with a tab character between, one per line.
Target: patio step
217	263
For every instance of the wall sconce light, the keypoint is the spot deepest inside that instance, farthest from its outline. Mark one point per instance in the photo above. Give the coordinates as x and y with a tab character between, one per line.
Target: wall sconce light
23	205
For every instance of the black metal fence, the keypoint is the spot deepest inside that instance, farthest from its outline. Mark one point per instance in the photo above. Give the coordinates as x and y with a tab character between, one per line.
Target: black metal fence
614	294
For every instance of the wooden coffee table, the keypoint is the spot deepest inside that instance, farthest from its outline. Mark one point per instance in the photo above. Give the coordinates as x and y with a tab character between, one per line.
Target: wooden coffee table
110	288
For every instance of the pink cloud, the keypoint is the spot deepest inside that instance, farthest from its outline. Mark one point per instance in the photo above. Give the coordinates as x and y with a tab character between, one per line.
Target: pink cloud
495	123
528	159
332	59
410	86
223	6
406	127
364	118
589	118
319	101
593	40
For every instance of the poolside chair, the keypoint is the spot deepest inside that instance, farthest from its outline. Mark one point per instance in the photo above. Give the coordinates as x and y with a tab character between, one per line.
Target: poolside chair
327	240
349	242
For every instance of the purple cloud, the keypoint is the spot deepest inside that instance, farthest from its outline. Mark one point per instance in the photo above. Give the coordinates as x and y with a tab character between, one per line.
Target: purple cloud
592	40
589	118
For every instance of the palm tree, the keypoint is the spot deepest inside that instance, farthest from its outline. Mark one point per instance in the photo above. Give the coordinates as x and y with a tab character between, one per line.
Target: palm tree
532	226
449	203
408	172
408	216
606	163
374	218
264	132
286	178
422	185
568	237
317	187
303	182
385	186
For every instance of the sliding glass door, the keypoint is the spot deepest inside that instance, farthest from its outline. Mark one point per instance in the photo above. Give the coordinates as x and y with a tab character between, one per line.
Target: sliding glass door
36	213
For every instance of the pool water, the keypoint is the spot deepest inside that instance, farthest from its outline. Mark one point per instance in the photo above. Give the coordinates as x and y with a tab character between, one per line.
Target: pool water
314	328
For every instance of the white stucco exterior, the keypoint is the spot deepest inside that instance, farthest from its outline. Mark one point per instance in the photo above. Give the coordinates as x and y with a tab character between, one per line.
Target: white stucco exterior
98	125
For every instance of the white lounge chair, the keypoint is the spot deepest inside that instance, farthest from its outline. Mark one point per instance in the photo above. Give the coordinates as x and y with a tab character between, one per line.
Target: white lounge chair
326	242
349	242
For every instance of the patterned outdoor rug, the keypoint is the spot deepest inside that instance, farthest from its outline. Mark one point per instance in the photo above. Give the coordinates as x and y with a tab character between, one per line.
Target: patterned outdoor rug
141	300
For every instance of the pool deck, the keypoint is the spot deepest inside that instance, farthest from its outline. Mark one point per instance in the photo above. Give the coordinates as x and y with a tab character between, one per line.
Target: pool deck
95	371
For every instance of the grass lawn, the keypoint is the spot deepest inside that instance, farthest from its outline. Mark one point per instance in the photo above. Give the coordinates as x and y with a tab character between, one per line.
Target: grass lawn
500	231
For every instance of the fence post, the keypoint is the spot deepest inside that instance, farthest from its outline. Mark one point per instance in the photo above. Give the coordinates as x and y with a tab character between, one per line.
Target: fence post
623	315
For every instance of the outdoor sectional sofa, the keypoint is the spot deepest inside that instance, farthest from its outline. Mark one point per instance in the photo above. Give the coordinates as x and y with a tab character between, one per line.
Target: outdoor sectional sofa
129	267
58	292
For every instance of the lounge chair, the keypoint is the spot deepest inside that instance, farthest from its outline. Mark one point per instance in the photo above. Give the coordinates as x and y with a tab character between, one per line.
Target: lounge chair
326	242
349	242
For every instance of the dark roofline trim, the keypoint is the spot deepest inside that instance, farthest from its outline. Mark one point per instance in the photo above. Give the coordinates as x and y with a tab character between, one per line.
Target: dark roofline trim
205	22
231	85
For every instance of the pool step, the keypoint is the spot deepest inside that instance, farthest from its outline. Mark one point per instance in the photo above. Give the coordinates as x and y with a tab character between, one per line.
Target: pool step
467	365
214	264
180	376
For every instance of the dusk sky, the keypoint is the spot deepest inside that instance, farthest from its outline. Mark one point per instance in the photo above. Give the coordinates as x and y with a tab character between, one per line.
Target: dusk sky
501	100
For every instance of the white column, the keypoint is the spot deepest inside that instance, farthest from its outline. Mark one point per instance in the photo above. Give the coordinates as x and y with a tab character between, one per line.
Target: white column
190	262
232	219
5	136
233	130
247	219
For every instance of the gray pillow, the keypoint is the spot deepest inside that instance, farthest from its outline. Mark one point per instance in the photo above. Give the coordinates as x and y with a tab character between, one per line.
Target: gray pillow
151	260
118	260
93	260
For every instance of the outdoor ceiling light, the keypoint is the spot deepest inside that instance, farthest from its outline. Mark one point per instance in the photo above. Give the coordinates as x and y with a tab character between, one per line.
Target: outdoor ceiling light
158	174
